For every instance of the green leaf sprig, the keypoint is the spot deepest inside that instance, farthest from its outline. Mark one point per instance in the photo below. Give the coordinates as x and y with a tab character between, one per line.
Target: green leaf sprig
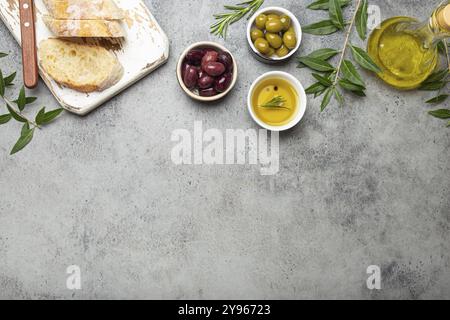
276	102
236	13
345	76
438	81
15	111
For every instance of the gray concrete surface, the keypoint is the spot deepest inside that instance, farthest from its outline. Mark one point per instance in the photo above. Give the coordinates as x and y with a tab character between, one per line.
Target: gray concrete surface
359	185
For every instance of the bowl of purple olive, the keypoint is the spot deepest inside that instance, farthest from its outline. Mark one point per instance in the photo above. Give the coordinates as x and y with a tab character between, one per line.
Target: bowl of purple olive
207	71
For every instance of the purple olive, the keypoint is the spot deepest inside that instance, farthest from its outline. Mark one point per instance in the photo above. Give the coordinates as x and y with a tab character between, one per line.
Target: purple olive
226	59
194	57
191	77
210	56
184	68
205	82
210	92
223	83
214	69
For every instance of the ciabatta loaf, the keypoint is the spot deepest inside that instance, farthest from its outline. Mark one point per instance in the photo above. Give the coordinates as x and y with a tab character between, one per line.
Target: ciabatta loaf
84	9
84	28
81	67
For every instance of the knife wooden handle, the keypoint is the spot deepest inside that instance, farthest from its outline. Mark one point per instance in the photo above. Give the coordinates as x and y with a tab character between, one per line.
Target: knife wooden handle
29	50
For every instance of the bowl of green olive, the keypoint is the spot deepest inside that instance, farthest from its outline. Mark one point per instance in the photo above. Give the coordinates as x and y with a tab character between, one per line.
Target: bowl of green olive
274	34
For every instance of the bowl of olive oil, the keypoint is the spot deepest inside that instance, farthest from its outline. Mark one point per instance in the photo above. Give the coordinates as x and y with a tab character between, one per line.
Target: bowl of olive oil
277	101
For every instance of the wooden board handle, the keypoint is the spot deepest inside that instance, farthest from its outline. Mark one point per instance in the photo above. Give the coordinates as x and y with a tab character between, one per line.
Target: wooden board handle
29	50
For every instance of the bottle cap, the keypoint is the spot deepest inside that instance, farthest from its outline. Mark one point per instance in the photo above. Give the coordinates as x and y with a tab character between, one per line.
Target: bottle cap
444	17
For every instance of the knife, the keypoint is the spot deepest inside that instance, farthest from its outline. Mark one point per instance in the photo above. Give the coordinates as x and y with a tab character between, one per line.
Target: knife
29	50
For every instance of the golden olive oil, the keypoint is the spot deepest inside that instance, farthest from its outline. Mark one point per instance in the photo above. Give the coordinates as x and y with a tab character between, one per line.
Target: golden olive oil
406	50
268	89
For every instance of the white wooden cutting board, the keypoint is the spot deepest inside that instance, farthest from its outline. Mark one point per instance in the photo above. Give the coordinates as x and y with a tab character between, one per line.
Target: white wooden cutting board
144	49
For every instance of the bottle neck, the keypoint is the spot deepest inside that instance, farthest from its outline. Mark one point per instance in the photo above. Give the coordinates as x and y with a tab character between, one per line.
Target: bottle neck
439	23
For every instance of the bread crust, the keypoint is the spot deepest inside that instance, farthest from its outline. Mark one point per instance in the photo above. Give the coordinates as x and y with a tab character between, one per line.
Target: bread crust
84	9
84	28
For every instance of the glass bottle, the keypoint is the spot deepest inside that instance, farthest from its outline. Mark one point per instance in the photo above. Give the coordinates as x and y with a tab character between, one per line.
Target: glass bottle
406	49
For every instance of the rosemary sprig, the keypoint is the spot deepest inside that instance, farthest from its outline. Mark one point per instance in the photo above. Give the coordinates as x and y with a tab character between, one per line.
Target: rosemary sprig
15	111
237	12
276	102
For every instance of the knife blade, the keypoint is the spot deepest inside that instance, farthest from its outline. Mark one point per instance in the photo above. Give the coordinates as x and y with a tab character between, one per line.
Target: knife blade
29	50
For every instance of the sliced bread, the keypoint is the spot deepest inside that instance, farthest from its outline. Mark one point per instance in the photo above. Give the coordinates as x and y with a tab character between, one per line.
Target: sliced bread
84	28
81	67
84	9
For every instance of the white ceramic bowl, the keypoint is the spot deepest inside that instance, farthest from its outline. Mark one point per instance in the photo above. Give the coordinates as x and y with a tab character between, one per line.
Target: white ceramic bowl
201	45
295	24
302	100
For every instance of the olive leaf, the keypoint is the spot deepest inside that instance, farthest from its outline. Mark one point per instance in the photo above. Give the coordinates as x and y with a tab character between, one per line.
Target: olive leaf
25	128
432	86
9	79
439	99
321	28
316	64
350	86
326	82
351	74
315	88
47	117
336	15
2	84
441	47
364	60
361	19
5	118
16	115
22	99
325	4
25	138
339	97
322	54
437	76
441	114
327	99
2	54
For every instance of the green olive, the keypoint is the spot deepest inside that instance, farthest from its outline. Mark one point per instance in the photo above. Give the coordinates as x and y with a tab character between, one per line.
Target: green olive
271	17
261	21
290	40
291	29
282	52
262	45
286	21
274	26
274	40
271	52
256	34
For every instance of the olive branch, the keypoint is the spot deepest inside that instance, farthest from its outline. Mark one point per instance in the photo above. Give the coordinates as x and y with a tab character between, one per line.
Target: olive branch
438	81
16	108
332	79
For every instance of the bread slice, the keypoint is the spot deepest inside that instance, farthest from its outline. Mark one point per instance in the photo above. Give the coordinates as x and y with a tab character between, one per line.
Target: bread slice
84	10
85	28
81	67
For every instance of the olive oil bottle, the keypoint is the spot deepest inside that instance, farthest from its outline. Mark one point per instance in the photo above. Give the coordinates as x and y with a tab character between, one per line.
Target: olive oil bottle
406	49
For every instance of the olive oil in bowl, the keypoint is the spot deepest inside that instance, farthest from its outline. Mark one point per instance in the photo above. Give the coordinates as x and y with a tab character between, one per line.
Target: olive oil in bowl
277	101
275	114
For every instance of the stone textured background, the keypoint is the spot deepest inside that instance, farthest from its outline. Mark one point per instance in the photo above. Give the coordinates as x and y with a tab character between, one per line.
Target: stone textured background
359	185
